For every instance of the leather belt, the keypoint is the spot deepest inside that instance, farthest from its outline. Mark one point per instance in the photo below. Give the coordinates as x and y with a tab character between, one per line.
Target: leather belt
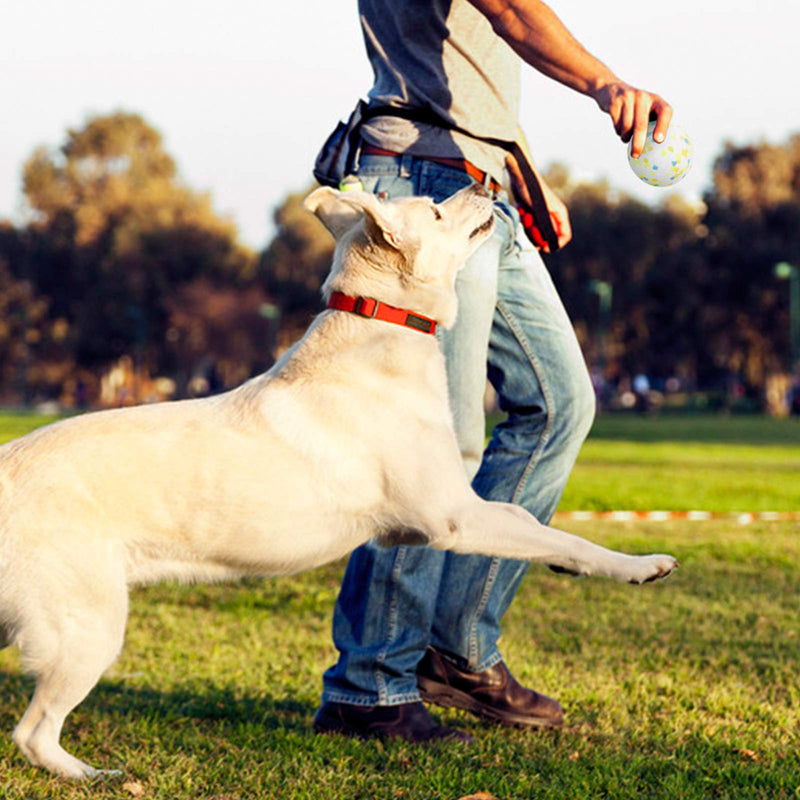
461	164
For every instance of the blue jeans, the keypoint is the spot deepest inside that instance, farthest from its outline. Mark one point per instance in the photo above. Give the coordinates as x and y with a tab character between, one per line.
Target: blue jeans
394	602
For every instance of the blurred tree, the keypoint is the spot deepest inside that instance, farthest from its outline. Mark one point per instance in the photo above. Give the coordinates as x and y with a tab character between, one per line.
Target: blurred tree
219	335
34	356
694	292
113	232
754	178
753	221
120	257
638	250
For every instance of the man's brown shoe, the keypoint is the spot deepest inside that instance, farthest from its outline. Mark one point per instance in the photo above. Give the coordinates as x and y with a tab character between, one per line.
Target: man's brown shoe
408	721
493	694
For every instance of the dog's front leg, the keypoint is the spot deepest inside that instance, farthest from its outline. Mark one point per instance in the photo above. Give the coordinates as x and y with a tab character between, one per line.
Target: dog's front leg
509	531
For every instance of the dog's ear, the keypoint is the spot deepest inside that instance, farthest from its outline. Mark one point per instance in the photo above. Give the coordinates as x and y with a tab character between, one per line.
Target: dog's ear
377	215
339	211
335	215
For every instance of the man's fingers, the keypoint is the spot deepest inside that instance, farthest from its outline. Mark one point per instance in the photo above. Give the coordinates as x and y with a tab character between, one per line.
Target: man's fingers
641	118
626	117
562	227
620	109
663	113
645	107
630	110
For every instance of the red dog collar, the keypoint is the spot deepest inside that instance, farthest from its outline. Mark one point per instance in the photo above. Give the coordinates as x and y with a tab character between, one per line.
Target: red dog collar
371	308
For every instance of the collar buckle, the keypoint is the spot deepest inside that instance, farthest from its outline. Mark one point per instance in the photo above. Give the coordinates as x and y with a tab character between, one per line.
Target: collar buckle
361	302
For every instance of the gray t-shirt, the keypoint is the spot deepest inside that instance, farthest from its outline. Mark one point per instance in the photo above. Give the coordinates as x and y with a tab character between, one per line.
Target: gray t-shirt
441	56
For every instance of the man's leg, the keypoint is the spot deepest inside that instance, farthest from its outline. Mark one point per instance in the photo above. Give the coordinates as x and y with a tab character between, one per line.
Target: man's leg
383	616
536	366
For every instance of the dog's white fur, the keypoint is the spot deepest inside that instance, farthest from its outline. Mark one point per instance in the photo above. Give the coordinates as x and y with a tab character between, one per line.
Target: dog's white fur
348	436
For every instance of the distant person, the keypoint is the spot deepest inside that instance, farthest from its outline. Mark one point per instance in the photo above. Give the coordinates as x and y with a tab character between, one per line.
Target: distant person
641	390
602	388
411	622
794	398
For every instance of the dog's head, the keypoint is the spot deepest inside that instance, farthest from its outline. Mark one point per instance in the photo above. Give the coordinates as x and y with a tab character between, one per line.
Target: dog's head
405	252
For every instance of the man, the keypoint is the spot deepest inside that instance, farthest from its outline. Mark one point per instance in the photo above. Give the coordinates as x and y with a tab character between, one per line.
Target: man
413	622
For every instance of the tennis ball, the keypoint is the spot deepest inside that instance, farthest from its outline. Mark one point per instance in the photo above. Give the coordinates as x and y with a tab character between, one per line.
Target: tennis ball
350	183
663	163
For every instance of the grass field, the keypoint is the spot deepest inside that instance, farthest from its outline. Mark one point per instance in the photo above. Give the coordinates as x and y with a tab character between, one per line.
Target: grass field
687	463
681	689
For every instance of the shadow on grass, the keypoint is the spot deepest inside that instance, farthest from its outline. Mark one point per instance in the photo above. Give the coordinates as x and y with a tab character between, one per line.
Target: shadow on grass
202	702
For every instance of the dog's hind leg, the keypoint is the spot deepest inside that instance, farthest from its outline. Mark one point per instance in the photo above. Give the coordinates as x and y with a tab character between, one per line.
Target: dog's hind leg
509	531
67	649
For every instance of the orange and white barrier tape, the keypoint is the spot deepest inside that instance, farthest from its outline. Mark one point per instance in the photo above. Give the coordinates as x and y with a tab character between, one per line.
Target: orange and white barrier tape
742	517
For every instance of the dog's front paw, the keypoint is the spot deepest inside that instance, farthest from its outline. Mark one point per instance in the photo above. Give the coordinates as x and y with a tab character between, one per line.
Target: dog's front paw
651	568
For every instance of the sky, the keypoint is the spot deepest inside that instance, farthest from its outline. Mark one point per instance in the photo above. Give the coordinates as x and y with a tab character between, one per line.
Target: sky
244	92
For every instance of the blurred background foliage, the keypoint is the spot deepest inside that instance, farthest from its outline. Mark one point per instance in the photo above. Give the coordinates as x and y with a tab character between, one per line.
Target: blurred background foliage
124	284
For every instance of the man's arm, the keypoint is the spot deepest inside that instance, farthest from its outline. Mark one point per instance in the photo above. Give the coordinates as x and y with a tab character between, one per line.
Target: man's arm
538	36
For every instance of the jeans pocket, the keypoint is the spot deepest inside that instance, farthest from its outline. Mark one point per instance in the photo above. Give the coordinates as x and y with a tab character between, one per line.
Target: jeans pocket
383	175
510	216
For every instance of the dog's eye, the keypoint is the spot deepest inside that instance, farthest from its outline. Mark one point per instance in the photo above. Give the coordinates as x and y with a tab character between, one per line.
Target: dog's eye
436	213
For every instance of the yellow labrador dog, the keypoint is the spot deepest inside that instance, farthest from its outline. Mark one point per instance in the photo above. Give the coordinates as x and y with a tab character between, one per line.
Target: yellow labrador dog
293	469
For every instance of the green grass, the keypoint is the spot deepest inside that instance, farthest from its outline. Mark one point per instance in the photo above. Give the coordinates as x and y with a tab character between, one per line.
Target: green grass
683	463
681	689
682	476
18	423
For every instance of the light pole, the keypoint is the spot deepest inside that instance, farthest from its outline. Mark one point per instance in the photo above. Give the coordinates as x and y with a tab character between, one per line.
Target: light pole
604	292
788	271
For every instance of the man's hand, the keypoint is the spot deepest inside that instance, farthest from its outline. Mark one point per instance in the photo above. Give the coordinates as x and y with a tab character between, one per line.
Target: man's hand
559	216
631	110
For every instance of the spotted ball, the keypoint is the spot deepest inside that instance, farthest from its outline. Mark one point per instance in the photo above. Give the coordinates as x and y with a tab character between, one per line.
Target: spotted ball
663	163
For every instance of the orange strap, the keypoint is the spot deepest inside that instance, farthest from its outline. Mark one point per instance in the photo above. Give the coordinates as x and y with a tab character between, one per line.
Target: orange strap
371	308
